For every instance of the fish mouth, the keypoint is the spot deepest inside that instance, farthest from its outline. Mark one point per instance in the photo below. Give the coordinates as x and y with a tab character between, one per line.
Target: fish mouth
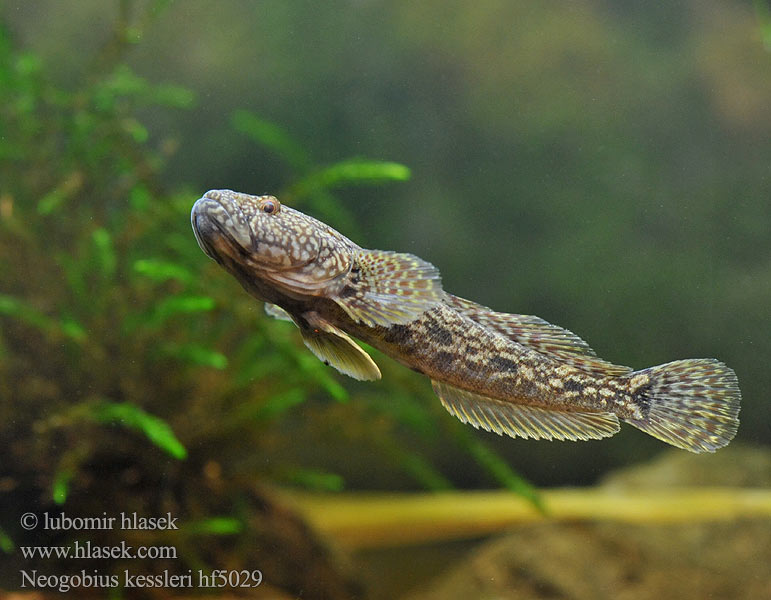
218	221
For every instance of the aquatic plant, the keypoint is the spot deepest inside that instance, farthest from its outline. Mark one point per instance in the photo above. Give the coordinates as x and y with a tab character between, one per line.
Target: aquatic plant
133	374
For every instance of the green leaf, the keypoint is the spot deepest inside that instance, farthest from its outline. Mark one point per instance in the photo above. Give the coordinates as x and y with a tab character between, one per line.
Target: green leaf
20	310
322	374
28	64
198	355
416	466
406	411
124	82
72	329
6	543
132	416
105	252
140	198
61	485
499	469
176	305
74	275
272	137
214	526
763	14
173	96
136	130
277	405
50	202
161	270
315	479
351	172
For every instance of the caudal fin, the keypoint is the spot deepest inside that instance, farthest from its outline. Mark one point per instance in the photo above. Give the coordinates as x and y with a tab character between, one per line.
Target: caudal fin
691	404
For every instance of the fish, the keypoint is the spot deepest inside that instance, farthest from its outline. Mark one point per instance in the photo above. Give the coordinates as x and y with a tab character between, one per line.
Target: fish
511	374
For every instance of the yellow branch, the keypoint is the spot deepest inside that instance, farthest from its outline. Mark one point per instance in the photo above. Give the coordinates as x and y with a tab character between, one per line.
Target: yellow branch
380	520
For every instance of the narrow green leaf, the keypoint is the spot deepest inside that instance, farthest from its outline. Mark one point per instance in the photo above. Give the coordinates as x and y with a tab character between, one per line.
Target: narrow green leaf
763	14
161	270
413	464
136	130
406	411
105	252
175	305
351	172
424	473
322	374
499	469
61	485
51	202
140	198
198	355
174	96
124	82
132	416
214	526
277	405
18	309
74	275
28	64
272	137
315	479
257	369
6	543
72	329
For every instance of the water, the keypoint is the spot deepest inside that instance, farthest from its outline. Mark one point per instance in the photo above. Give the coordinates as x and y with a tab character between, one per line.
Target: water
604	167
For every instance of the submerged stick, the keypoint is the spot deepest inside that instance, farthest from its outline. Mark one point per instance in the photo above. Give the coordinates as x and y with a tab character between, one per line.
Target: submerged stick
359	521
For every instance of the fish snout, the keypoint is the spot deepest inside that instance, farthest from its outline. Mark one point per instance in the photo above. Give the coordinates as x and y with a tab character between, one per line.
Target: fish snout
215	216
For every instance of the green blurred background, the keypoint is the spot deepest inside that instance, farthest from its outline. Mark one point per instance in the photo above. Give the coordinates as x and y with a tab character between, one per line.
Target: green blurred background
605	165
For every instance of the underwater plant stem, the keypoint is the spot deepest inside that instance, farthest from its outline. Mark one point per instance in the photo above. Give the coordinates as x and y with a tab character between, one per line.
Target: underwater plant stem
360	521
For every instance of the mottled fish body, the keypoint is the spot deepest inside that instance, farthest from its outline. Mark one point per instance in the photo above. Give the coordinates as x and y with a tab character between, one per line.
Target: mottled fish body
511	374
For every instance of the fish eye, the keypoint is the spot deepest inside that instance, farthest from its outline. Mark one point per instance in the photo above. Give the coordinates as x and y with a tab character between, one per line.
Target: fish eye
269	205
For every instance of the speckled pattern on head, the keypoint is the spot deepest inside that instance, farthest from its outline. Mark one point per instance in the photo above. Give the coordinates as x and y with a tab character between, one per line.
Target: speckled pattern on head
507	373
282	241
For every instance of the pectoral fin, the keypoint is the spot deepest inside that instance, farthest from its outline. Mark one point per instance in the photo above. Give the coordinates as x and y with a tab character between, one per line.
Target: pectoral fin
277	312
336	349
519	420
388	288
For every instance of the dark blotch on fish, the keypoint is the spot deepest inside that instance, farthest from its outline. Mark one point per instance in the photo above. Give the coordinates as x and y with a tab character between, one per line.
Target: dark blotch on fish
444	359
397	334
503	364
570	385
439	334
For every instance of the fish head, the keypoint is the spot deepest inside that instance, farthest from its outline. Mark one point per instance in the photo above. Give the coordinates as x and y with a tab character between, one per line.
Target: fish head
260	238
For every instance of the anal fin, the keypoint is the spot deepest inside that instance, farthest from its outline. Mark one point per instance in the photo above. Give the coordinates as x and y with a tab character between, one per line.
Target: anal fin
520	420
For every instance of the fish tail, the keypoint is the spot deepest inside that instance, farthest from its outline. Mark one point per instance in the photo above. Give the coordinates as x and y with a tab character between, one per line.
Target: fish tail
692	404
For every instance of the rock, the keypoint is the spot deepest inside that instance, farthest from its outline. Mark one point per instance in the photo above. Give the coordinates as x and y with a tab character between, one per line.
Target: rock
602	559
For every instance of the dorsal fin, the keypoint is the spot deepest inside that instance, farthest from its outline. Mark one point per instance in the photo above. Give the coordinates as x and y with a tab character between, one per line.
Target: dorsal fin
539	335
389	288
520	420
